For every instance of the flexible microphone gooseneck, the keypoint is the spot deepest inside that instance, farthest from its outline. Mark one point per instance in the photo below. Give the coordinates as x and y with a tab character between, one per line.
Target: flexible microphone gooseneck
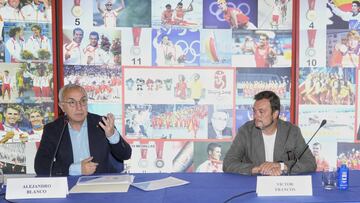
66	121
323	122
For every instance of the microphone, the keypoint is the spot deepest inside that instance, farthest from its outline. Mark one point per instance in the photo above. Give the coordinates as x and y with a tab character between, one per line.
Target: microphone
323	122
66	121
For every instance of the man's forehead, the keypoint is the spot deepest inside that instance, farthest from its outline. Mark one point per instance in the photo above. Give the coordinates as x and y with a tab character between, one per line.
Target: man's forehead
34	114
12	110
262	104
74	93
74	97
78	32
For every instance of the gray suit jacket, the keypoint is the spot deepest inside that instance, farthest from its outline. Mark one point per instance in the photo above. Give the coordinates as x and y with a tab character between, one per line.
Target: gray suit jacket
247	149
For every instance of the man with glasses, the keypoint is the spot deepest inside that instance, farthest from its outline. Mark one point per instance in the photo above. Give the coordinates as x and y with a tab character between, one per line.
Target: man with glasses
218	127
88	143
109	14
267	145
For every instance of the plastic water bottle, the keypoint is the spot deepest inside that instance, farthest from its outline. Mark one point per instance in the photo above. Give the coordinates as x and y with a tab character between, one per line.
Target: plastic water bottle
343	177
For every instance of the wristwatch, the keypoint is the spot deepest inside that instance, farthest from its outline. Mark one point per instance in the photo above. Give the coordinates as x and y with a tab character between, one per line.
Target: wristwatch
282	166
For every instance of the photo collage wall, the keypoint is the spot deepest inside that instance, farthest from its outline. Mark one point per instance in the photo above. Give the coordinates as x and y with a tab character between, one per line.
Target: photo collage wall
179	76
26	81
328	80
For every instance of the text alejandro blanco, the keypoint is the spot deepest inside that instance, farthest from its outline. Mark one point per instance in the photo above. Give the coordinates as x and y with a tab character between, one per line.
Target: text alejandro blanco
37	188
284	187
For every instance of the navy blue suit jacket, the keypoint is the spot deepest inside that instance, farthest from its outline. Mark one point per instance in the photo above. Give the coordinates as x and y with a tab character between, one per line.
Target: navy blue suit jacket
100	148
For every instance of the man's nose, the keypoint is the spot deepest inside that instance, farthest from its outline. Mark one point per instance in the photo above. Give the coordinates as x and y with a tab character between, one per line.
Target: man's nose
78	105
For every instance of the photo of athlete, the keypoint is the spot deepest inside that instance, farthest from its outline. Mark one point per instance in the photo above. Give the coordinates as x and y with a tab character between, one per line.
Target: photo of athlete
275	14
235	17
344	17
177	14
116	13
110	14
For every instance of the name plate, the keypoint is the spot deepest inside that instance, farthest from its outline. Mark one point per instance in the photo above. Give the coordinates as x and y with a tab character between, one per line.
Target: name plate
284	186
31	188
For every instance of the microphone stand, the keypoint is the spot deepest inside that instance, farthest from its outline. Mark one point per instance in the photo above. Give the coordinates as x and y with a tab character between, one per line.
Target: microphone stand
66	121
306	147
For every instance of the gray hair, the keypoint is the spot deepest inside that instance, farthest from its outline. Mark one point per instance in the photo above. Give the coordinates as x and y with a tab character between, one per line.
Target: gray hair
68	87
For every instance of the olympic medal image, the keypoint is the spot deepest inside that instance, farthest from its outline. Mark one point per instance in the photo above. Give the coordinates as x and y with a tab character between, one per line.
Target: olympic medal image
310	52
135	50
159	163
311	15
76	11
143	163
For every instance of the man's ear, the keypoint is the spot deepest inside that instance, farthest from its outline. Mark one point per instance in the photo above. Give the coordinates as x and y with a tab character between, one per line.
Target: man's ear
276	114
61	107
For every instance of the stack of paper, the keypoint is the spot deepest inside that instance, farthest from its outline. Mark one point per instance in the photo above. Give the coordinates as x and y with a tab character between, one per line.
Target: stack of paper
102	184
160	184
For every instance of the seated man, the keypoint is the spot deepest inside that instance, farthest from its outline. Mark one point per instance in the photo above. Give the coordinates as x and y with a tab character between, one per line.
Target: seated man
87	142
267	145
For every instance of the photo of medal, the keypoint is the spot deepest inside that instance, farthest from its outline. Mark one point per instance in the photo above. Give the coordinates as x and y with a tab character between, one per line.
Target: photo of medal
143	163
310	51
159	162
76	9
311	13
135	49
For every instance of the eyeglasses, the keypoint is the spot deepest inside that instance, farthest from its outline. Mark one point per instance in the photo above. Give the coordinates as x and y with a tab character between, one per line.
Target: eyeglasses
72	103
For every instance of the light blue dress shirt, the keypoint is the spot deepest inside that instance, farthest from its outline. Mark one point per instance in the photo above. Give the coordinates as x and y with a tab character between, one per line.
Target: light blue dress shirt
80	146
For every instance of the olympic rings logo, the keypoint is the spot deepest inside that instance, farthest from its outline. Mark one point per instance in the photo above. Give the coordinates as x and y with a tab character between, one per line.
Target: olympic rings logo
244	7
185	45
189	48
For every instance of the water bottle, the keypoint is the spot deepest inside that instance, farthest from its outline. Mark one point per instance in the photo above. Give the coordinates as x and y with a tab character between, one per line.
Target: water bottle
343	177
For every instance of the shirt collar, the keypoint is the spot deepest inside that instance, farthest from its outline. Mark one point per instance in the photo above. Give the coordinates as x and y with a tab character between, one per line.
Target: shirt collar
84	125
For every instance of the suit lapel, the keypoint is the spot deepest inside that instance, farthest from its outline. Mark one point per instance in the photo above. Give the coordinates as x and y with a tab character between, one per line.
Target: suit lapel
92	139
67	150
280	141
259	149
